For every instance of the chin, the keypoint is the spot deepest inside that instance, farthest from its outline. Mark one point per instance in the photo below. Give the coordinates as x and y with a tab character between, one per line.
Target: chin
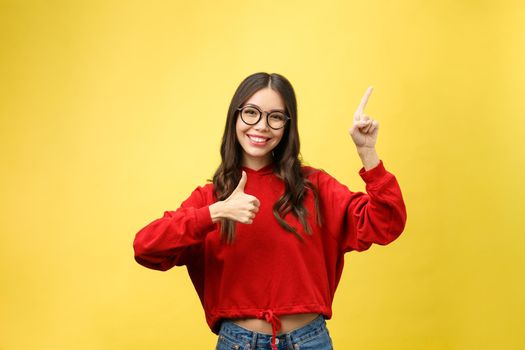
259	154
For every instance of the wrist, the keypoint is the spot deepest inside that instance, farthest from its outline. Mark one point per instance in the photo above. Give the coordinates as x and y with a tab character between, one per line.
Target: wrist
366	150
216	211
369	157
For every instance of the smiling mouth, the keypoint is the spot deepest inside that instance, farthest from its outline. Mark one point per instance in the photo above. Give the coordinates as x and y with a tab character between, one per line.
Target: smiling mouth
259	140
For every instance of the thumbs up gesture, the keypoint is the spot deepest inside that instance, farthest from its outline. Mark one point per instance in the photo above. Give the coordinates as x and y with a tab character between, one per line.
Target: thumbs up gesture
239	206
364	129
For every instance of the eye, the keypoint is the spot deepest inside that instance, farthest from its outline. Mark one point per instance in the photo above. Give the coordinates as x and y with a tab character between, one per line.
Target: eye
277	117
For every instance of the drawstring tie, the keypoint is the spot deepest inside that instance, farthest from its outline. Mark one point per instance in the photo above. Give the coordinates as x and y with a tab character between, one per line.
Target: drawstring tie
270	317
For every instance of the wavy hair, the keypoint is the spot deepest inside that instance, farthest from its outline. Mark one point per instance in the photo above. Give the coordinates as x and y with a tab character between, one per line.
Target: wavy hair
287	165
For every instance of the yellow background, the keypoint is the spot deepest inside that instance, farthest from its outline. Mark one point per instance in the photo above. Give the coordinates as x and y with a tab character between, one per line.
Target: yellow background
112	112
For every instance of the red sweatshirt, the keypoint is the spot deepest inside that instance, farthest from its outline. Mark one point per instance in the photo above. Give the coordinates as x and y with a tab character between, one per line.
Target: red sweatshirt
268	271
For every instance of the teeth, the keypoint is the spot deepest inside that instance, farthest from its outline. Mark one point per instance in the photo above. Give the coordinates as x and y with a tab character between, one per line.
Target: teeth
257	139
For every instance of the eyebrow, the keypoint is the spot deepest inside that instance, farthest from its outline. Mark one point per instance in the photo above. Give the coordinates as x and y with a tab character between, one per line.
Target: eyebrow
271	110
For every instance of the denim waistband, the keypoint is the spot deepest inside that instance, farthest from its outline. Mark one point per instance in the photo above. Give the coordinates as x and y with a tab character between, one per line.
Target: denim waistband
243	335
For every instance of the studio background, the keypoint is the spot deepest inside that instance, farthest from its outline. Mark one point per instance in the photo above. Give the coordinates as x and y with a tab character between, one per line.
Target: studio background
112	112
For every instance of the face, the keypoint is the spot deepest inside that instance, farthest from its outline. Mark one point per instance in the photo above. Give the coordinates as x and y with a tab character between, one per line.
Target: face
258	140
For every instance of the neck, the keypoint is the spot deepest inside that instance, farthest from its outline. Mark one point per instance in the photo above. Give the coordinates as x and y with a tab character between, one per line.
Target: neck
256	163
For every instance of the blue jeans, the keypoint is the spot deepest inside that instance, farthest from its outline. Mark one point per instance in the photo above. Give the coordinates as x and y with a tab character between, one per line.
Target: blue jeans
312	336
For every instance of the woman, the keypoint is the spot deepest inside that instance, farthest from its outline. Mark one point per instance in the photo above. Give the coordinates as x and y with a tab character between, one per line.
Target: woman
264	243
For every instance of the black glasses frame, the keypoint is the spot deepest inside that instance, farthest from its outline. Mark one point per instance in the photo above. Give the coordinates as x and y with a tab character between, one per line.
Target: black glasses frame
240	109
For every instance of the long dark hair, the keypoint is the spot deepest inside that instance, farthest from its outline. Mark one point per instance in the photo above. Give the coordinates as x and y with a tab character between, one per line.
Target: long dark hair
287	165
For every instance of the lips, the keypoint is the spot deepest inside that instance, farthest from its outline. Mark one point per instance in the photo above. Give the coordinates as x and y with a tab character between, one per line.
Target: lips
258	140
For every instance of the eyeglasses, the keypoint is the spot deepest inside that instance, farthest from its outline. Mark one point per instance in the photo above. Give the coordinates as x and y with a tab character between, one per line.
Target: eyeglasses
251	115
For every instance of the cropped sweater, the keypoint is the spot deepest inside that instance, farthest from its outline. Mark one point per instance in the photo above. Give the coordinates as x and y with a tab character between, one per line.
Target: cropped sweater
268	272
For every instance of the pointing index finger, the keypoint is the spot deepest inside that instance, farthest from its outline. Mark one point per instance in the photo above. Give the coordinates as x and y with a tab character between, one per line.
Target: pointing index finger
364	101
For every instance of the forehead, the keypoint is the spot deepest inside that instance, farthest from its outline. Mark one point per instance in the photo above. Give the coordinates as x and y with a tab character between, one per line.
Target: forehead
267	99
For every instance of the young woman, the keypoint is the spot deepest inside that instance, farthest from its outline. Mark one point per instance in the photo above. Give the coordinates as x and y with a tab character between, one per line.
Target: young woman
264	243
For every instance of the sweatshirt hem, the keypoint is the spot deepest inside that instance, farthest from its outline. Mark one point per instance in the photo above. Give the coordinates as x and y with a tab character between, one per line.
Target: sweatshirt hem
214	317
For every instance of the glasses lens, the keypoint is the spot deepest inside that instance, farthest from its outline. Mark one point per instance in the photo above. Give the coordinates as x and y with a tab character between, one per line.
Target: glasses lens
250	115
276	120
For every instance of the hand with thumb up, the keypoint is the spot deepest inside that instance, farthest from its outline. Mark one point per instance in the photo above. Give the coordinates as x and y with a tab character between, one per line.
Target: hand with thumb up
239	206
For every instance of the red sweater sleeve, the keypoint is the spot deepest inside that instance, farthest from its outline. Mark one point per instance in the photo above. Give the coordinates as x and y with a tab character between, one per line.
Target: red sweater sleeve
357	219
166	241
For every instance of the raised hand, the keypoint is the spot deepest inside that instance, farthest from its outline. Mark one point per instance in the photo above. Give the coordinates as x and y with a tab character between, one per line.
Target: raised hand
239	206
364	129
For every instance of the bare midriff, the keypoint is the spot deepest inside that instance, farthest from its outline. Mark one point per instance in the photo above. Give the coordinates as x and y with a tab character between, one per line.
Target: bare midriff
288	323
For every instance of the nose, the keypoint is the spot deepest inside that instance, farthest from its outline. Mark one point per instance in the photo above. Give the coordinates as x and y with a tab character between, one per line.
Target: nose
262	124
